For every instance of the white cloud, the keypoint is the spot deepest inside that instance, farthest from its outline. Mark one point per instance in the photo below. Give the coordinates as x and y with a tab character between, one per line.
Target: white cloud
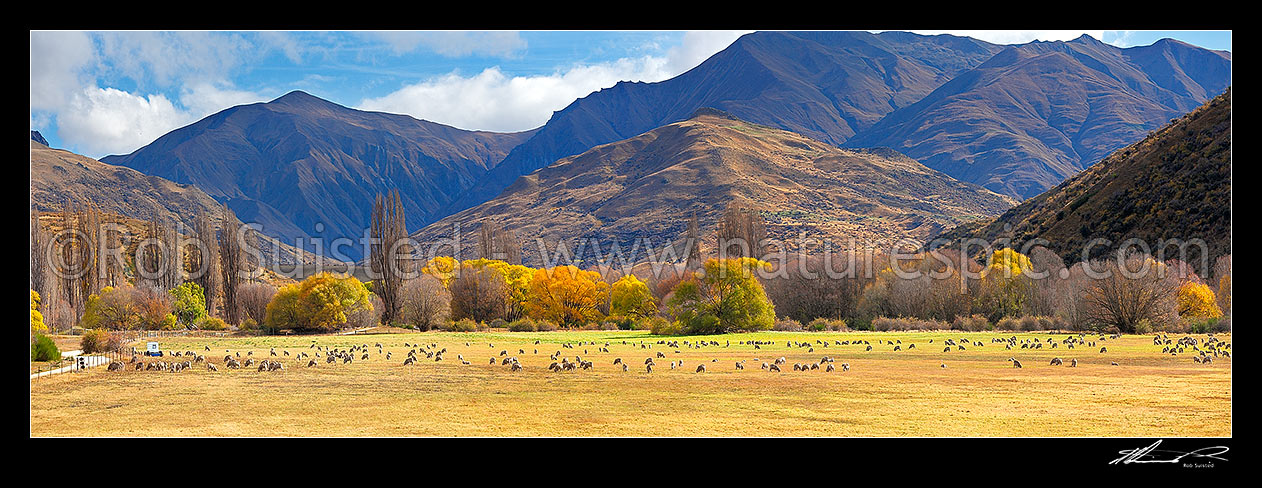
96	121
168	58
101	121
697	46
455	43
494	101
58	61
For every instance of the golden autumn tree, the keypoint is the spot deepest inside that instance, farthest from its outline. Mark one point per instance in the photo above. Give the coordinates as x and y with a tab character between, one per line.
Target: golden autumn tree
567	295
320	302
442	267
1197	300
1005	288
630	296
37	319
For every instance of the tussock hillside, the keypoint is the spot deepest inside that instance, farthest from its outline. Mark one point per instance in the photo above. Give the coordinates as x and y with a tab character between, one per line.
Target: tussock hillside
649	185
1174	184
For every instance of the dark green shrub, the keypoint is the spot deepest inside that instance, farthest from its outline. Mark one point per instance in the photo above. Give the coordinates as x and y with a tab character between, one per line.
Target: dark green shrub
44	349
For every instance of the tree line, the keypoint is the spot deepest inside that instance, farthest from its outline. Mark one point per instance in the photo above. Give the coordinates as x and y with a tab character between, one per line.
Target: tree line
735	289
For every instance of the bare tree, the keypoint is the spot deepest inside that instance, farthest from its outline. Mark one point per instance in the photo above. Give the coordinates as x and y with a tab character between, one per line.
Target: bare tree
78	245
390	253
41	277
426	302
204	261
496	242
692	244
806	292
1133	291
479	294
741	233
234	262
252	299
161	259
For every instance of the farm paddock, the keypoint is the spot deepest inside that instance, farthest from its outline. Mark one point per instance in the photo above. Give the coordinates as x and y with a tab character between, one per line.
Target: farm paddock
921	391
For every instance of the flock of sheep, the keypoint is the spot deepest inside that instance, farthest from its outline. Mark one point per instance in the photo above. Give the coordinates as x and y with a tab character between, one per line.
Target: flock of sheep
1204	351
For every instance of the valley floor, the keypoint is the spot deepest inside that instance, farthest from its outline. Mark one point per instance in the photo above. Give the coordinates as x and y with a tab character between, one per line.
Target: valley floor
885	393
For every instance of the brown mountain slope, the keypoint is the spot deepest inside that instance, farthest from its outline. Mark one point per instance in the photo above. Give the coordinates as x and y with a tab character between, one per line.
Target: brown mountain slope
126	194
648	185
1174	184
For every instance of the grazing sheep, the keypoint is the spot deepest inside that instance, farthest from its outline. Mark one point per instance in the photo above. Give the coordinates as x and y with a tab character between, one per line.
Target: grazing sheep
701	368
1056	362
1103	350
740	365
943	365
516	367
845	366
116	366
829	368
617	361
648	368
1015	363
814	366
1114	363
140	366
211	367
774	367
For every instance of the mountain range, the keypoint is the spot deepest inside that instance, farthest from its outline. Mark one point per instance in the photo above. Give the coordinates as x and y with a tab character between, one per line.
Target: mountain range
304	167
1038	113
1016	120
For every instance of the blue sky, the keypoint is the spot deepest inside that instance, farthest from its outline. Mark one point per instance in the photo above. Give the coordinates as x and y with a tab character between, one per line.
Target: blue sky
100	93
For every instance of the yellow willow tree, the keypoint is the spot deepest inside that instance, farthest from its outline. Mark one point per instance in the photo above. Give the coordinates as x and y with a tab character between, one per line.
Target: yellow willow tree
1005	289
726	297
567	295
443	268
1196	300
631	297
322	302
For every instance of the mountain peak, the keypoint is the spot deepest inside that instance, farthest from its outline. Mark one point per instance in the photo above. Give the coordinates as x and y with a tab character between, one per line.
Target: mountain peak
301	98
37	137
1086	39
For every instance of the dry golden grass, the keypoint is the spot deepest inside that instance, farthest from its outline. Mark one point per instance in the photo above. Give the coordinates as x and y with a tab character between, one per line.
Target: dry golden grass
886	393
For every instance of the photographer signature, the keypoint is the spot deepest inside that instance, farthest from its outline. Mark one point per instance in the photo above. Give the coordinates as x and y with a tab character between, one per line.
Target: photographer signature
1149	454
